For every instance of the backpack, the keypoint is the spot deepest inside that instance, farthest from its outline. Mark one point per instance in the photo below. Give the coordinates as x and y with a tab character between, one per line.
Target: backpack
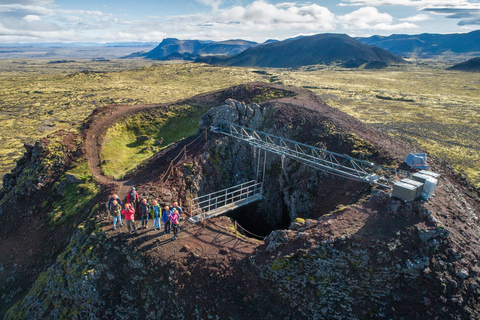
133	195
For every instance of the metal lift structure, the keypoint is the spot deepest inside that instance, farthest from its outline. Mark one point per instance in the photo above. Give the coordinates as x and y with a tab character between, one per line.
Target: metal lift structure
219	202
331	162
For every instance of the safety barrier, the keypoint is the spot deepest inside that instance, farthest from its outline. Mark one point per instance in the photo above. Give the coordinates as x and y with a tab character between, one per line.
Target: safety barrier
228	199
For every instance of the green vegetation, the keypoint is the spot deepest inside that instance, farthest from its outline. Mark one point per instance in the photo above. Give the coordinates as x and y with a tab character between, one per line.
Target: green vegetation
52	154
37	98
271	93
121	152
436	110
75	197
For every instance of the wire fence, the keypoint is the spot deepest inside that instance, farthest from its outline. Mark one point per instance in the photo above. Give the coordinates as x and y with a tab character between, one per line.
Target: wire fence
182	153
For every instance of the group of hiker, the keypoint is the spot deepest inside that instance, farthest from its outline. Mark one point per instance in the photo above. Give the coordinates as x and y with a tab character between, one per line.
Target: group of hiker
170	216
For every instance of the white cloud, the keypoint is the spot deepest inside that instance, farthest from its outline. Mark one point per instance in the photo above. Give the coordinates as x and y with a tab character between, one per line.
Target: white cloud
40	20
393	27
420	4
267	16
211	3
467	12
28	2
286	4
31	17
364	17
417	18
371	18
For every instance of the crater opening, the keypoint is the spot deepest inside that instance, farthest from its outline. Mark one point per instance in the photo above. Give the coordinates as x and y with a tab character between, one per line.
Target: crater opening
259	219
254	223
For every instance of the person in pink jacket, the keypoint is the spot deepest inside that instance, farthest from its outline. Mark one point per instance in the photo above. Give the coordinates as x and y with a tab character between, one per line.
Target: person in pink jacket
129	213
175	223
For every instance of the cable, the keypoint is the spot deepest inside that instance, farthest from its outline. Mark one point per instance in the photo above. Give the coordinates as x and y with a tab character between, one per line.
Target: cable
253	234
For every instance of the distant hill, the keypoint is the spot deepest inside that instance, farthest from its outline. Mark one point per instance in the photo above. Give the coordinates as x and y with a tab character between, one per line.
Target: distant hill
427	45
469	65
302	51
180	56
178	47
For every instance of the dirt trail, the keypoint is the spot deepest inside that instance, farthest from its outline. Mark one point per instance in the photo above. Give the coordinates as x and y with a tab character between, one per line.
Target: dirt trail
94	136
111	114
107	117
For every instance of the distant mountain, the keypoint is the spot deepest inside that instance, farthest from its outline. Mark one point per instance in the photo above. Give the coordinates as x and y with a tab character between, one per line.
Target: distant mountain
302	51
270	41
196	47
77	44
469	65
186	56
427	44
229	47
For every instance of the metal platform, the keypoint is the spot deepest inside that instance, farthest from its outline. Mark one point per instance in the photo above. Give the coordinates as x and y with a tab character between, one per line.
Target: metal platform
224	209
219	202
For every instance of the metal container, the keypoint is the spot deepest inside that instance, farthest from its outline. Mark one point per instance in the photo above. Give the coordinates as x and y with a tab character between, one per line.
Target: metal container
404	191
420	177
415	183
430	173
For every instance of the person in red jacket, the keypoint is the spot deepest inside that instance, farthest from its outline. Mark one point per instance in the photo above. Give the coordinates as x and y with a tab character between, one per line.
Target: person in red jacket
129	213
132	197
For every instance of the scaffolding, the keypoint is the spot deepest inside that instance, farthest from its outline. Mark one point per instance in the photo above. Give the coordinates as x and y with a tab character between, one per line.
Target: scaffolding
331	162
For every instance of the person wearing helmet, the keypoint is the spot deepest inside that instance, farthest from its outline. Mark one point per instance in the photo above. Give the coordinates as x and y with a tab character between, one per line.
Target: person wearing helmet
166	218
156	215
115	211
175	223
129	213
144	209
132	197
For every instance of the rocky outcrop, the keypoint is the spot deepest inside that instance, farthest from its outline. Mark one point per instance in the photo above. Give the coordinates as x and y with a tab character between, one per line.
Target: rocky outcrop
236	112
40	165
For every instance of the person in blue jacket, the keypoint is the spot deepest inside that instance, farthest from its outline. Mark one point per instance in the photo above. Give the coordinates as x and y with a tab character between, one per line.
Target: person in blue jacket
179	209
112	198
156	215
166	218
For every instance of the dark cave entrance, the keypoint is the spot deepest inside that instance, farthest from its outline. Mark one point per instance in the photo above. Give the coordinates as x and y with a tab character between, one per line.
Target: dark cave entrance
251	219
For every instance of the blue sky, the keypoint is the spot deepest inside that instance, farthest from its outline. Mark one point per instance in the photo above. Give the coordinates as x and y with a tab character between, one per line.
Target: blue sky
152	20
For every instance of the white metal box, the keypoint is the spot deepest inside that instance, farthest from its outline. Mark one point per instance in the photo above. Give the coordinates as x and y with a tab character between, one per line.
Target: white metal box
404	191
417	184
420	177
430	173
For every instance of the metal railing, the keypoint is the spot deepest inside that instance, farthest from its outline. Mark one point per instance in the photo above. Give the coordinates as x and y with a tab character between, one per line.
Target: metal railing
240	194
334	163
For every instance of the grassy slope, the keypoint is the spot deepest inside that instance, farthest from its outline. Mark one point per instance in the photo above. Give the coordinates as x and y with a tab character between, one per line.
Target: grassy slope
36	97
435	109
124	153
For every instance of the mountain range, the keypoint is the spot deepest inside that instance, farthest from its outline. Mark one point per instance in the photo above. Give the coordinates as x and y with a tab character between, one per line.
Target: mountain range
472	65
172	49
376	51
427	44
302	51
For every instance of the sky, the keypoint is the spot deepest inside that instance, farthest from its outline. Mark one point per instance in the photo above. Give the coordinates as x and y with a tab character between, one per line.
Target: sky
39	21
